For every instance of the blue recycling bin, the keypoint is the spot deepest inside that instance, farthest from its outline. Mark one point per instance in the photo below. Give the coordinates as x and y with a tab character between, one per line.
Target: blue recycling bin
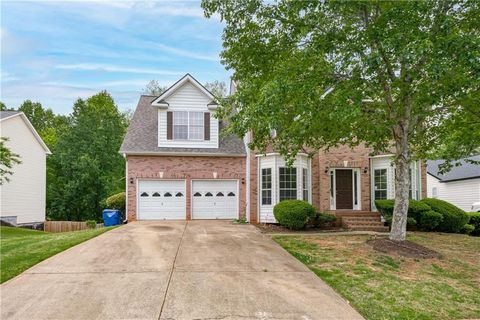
111	217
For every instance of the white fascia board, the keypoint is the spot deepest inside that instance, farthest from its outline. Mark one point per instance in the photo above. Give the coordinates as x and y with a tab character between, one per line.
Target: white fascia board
186	78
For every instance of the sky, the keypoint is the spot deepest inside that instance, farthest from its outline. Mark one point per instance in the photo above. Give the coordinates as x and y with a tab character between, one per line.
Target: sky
56	52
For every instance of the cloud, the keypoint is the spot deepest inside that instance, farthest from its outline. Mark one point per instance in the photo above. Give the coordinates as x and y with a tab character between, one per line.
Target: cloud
188	54
113	68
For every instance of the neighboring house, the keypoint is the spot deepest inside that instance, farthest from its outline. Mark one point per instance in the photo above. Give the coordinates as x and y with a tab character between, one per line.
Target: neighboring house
460	186
178	166
23	197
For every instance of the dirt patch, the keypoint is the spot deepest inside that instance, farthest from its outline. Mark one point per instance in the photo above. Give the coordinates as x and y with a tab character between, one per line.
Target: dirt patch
403	248
276	228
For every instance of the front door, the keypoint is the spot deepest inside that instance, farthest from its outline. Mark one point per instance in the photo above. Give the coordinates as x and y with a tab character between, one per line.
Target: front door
344	189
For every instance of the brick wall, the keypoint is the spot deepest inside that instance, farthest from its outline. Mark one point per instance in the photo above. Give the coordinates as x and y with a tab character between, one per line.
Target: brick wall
188	168
344	157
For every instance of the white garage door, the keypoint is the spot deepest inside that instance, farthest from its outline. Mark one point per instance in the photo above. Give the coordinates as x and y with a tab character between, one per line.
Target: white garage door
214	199
161	200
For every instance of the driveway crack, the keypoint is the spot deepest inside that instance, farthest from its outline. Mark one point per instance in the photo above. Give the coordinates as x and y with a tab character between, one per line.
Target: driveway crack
171	271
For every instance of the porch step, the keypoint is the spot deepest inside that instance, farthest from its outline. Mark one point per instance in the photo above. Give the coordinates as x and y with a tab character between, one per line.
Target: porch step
364	223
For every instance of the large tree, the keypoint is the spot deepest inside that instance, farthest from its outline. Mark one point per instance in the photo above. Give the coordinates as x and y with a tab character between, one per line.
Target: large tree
400	77
86	162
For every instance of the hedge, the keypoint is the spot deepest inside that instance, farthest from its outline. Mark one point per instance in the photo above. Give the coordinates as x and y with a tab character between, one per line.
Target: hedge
322	219
116	201
294	214
475	221
415	210
454	218
429	220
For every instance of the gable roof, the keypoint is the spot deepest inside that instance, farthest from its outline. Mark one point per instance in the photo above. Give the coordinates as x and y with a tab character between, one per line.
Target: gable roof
5	115
142	136
160	100
463	172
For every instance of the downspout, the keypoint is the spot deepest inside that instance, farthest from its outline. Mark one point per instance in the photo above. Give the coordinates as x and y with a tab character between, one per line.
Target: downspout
126	189
247	178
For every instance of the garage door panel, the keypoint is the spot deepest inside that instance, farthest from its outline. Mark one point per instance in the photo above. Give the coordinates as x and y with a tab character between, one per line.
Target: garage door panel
215	199
161	199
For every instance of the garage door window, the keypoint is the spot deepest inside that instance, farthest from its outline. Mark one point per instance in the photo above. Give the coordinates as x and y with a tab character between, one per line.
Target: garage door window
219	194
156	194
179	194
167	194
197	194
208	194
144	194
231	194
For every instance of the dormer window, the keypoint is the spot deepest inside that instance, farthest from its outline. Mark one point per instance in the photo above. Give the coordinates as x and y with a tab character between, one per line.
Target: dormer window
180	125
189	125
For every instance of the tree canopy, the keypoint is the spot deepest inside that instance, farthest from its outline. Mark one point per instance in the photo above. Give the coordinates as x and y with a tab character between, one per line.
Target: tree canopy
400	77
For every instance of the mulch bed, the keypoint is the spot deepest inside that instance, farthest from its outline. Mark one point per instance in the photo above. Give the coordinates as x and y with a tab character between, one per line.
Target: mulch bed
403	248
276	228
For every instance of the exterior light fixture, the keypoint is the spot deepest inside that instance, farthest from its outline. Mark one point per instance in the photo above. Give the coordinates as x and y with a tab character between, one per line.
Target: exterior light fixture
365	170
326	169
131	180
214	175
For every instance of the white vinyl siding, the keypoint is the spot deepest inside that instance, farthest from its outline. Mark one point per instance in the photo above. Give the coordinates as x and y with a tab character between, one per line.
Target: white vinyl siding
188	98
462	193
24	196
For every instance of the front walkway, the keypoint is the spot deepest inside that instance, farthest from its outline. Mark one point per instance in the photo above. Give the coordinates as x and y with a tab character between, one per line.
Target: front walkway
173	270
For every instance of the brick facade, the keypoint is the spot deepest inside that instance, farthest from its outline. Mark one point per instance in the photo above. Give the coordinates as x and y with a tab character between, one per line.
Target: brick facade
344	157
182	167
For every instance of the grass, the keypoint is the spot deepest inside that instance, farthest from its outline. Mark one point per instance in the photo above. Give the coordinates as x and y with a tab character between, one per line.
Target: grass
380	286
22	248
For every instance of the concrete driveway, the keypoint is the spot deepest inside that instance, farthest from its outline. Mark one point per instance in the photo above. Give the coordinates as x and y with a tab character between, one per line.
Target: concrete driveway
173	270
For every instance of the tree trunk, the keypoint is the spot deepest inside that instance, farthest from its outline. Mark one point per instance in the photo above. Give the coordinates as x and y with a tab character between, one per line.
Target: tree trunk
402	185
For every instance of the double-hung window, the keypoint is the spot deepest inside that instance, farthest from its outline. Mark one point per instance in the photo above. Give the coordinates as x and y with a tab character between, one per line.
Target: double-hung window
188	125
288	183
267	186
195	126
180	125
380	183
305	184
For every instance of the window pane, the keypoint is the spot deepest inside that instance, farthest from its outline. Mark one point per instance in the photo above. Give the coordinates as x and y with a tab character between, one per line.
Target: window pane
288	183
196	126
266	186
380	183
196	132
180	132
305	184
180	117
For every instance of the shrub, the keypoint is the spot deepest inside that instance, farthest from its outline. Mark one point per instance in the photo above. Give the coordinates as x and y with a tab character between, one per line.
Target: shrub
91	224
322	219
385	207
415	208
429	220
294	214
475	221
467	228
454	218
116	201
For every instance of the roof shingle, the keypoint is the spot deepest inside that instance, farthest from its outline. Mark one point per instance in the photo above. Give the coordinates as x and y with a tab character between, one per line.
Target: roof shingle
465	171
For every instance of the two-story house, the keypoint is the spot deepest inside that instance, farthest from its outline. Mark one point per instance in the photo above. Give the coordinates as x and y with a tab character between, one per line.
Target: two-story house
179	166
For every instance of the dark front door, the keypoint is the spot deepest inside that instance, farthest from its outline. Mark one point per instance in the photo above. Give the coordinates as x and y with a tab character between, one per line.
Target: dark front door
344	189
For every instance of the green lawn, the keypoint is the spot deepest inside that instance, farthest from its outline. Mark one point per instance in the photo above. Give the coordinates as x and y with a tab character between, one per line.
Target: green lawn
22	248
384	287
